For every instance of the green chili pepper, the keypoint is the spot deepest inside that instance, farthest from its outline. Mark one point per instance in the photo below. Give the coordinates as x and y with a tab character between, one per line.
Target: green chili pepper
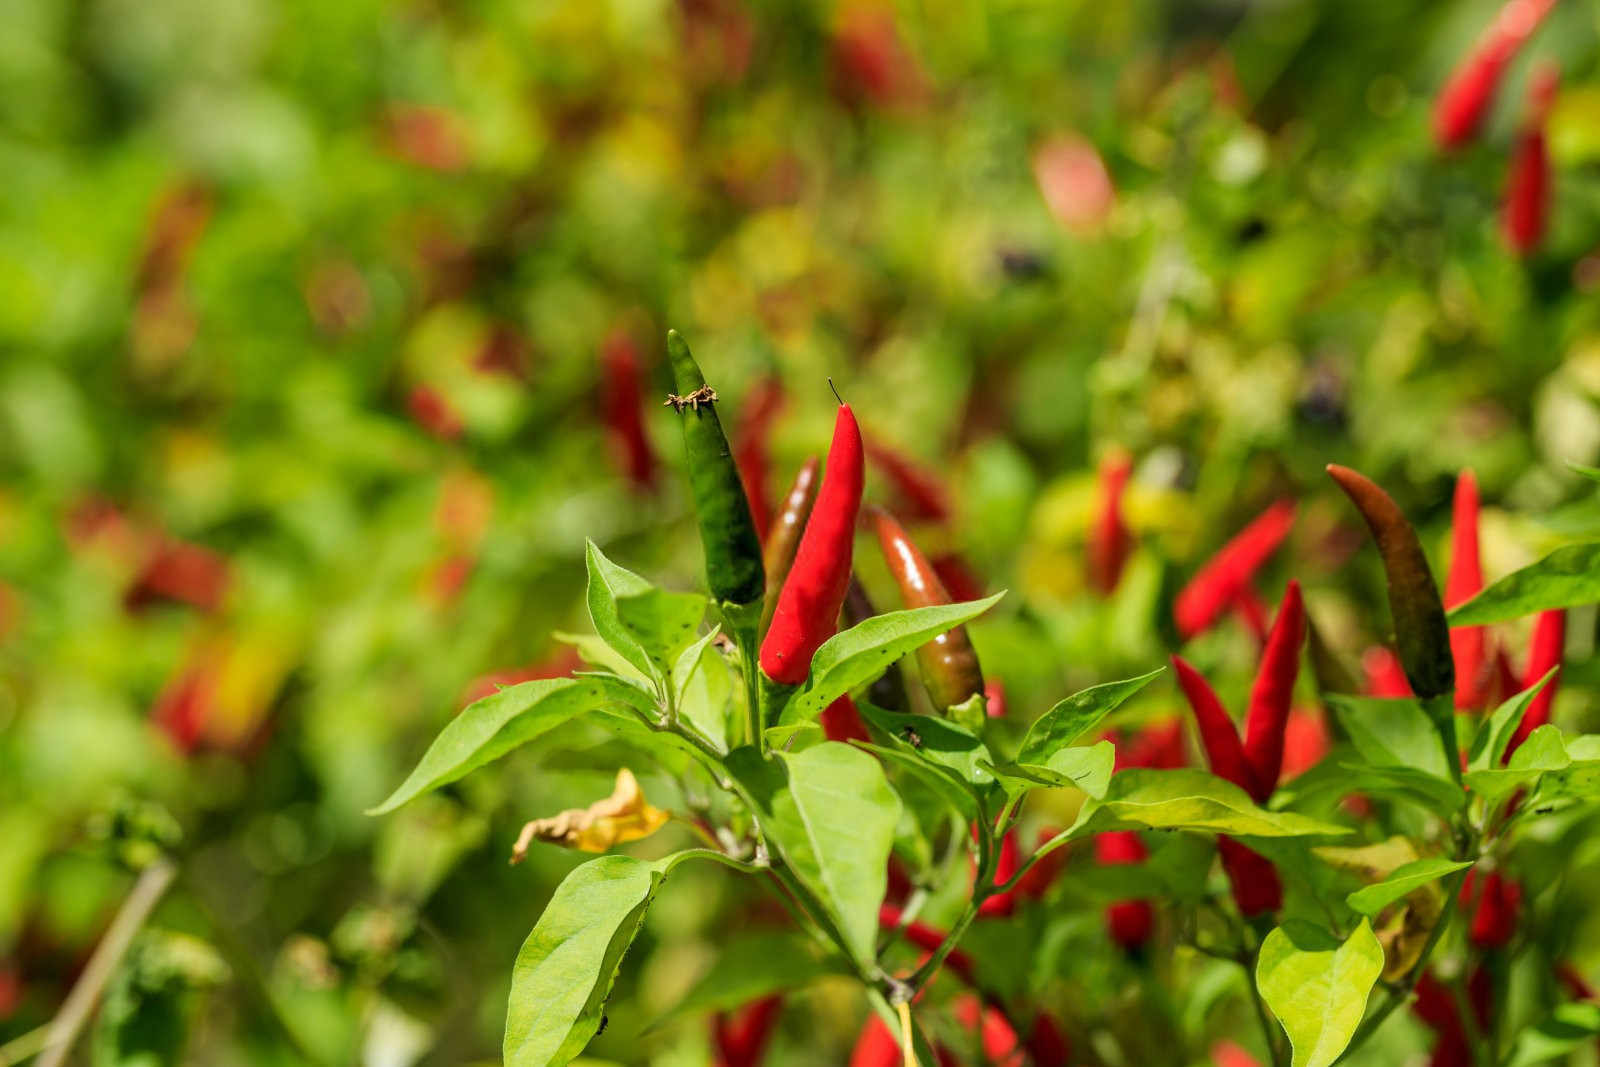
1420	630
734	571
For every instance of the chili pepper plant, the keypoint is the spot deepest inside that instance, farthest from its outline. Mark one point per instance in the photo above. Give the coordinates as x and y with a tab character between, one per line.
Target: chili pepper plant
1333	861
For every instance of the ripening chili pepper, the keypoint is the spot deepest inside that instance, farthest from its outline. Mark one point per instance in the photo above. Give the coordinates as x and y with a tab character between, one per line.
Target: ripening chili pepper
1109	539
960	581
752	451
1129	922
741	1039
877	1046
808	605
782	538
558	665
1420	629
1462	583
842	722
1495	903
919	493
1549	639
1273	692
1465	100
950	668
1215	588
734	571
1047	1044
1527	199
622	395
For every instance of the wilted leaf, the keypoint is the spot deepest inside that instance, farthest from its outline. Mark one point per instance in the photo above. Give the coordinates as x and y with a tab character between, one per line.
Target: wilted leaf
622	817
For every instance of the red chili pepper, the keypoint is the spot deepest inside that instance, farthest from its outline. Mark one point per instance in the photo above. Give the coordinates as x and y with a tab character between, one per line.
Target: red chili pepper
928	939
185	704
1047	1043
959	579
808	606
1228	1054
1495	908
1253	611
1527	199
1216	586
1037	882
1305	742
622	395
1385	676
1465	100
1464	581
752	449
1435	1005
182	572
1110	542
1256	888
869	60
1159	746
994	697
842	722
921	496
878	1046
1006	863
1273	692
1001	1046
742	1040
1218	736
434	413
1549	639
1129	922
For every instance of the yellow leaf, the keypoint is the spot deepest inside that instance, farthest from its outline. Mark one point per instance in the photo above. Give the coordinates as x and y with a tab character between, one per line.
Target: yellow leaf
623	816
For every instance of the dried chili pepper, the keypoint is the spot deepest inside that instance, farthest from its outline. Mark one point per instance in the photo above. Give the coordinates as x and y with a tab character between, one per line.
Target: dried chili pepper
782	538
920	495
734	570
1465	100
622	408
1462	583
808	605
741	1040
1527	198
752	451
1549	640
1420	629
1216	587
950	668
1273	692
1110	542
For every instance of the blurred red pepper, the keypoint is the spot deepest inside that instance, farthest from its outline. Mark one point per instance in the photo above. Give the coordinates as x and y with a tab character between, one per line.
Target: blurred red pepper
1273	692
1228	1054
1005	867
994	696
842	722
809	603
558	665
959	579
1435	1006
928	939
1495	904
1129	922
1037	881
1549	639
1110	541
1465	100
741	1040
752	451
1527	198
434	413
877	1046
622	398
1384	675
1047	1044
1157	745
1001	1046
182	572
1305	742
1252	610
919	494
870	61
1216	587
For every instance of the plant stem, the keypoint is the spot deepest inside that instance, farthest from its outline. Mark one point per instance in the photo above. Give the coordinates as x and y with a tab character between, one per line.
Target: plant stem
79	1005
1269	1030
21	1048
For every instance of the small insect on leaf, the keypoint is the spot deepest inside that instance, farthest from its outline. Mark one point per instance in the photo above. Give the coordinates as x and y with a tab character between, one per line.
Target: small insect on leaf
623	816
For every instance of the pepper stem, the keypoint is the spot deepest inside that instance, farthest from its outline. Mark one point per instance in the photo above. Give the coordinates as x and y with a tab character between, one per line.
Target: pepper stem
744	620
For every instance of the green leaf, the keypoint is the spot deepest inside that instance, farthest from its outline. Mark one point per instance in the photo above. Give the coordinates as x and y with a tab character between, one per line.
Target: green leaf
1317	987
831	814
566	967
646	626
1192	800
935	740
1566	578
701	689
1404	879
944	782
751	967
1085	767
495	725
593	650
1407	783
1075	716
1543	751
1566	1029
863	652
1489	745
1392	733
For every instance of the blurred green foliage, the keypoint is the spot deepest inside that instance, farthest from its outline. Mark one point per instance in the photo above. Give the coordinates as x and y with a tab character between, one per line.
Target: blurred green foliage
311	297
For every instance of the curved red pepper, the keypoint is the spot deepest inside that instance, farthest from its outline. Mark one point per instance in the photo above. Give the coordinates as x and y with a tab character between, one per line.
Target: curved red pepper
1273	692
1384	675
877	1046
1527	199
1218	736
1462	583
1217	586
1256	887
1495	905
742	1039
1465	100
808	606
1005	866
1549	639
842	722
622	394
1110	542
1129	922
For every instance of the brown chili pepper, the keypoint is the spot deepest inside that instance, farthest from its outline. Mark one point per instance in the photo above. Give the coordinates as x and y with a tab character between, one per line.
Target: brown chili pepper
950	668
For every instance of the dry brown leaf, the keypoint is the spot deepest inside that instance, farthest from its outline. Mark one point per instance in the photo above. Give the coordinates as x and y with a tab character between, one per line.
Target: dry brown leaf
623	816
